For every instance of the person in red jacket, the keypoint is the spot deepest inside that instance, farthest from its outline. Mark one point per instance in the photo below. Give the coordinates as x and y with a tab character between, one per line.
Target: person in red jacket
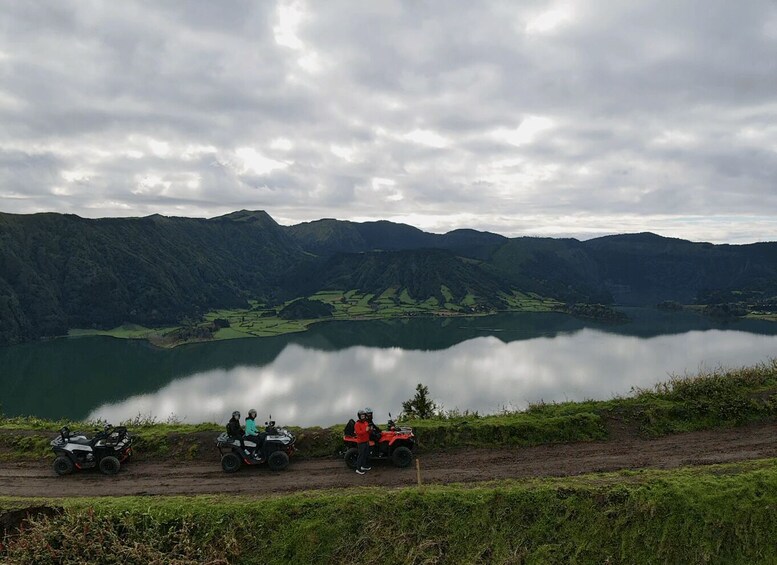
362	431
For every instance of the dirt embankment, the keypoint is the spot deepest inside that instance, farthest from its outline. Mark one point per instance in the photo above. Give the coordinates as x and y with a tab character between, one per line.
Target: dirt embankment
203	475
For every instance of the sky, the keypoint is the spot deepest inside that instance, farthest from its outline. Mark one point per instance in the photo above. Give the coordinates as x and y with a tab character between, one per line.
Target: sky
539	118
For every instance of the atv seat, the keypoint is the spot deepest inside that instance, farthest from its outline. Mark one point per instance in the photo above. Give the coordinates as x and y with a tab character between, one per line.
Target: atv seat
80	440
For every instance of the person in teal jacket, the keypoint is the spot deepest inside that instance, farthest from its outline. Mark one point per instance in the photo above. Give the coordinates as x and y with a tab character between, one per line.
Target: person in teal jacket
252	433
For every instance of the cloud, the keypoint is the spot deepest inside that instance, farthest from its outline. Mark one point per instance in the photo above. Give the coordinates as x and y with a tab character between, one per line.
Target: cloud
540	117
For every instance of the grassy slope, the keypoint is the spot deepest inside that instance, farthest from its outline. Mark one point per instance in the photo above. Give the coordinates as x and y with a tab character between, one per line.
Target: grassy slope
719	514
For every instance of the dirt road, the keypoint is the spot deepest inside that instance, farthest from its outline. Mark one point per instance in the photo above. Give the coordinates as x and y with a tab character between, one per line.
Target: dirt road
466	466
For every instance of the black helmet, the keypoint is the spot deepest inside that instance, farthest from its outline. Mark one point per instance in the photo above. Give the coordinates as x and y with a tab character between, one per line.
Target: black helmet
236	415
361	413
252	413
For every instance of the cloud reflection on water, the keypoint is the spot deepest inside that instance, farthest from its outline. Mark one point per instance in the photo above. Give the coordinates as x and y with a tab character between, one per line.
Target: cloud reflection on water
305	386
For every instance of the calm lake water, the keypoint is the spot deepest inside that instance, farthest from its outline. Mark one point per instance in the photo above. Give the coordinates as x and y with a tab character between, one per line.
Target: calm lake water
322	376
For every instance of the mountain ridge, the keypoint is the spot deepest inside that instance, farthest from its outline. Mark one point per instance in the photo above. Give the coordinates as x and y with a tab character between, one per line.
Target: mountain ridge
60	271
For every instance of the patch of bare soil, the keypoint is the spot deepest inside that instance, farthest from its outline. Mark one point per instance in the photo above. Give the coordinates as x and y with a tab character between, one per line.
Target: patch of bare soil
204	475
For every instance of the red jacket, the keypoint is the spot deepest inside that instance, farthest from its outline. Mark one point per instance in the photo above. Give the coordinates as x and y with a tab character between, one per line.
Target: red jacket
362	430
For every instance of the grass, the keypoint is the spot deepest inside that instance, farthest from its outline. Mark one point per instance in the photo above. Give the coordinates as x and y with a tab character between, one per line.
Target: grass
721	398
125	331
531	302
716	514
150	438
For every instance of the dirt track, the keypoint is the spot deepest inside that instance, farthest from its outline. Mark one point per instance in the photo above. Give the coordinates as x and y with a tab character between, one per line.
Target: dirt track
206	477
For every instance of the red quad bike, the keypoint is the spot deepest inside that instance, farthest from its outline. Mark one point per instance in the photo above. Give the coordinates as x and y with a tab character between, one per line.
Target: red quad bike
395	443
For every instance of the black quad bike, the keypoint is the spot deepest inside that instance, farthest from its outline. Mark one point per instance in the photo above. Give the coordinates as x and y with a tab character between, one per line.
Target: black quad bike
275	446
106	450
396	444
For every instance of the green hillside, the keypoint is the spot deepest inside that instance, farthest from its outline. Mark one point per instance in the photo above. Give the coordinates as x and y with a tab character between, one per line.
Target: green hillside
60	272
561	268
422	274
328	237
646	268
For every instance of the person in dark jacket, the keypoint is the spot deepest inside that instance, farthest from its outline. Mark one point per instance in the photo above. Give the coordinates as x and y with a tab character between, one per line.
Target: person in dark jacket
235	430
374	429
362	430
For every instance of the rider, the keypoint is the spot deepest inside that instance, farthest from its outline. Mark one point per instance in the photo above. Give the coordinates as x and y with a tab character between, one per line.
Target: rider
374	429
233	426
234	430
252	433
362	431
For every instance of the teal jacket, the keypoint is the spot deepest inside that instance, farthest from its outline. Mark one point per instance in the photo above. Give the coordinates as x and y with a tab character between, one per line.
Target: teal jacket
251	427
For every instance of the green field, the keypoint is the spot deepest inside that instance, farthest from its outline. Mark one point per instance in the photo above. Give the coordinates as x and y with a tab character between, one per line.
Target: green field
259	320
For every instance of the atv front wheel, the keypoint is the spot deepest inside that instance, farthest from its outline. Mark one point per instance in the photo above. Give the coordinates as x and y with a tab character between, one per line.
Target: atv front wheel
230	462
351	457
109	465
63	465
402	457
278	461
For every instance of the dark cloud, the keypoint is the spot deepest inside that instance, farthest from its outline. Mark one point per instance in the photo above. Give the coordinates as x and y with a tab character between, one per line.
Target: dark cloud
541	118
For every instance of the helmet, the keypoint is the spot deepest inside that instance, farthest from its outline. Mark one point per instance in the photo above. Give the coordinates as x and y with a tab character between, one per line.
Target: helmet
368	411
252	413
361	413
236	415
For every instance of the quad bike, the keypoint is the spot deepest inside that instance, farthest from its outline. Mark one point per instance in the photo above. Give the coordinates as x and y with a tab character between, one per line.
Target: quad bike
395	443
275	447
106	450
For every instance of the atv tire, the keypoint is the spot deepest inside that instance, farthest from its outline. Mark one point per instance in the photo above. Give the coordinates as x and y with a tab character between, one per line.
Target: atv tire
402	457
63	465
278	461
231	462
109	465
351	457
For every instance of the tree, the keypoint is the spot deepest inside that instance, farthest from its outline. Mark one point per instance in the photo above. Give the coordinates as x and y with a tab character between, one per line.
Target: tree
420	406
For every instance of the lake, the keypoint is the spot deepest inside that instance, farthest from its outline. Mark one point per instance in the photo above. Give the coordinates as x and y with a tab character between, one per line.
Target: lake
322	376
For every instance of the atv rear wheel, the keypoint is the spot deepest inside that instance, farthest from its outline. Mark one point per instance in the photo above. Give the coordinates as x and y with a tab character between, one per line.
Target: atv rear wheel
109	465
351	457
63	465
402	457
278	461
230	462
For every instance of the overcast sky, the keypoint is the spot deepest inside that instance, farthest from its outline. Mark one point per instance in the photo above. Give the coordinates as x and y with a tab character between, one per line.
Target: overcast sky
577	118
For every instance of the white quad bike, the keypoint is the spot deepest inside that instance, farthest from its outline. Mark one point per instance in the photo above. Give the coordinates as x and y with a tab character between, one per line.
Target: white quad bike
274	447
106	450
